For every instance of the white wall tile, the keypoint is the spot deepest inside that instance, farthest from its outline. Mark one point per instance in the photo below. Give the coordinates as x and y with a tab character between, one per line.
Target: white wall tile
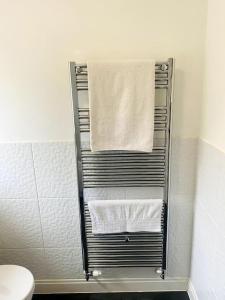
16	171
203	254
63	263
32	259
208	259
219	265
181	199
60	222
20	224
180	223
207	176
179	260
204	243
55	169
211	188
47	263
183	166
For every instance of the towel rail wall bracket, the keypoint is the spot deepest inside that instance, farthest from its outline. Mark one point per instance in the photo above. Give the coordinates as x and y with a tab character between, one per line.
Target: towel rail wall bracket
109	169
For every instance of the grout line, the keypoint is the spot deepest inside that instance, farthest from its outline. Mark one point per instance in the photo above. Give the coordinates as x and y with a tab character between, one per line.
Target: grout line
35	179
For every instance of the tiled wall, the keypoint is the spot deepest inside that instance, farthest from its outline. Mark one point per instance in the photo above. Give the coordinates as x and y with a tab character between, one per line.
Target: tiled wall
39	217
208	259
39	221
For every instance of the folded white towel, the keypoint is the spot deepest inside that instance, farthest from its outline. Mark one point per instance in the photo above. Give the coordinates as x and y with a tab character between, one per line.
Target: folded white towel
121	100
111	216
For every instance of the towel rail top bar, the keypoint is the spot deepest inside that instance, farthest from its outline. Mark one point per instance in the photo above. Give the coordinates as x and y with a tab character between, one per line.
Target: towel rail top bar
123	169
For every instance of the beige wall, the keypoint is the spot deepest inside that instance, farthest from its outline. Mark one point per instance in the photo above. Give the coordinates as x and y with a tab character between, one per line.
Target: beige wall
213	108
39	38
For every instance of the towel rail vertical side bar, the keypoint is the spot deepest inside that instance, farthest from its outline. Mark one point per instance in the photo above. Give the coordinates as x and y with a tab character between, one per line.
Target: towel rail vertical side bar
79	170
168	142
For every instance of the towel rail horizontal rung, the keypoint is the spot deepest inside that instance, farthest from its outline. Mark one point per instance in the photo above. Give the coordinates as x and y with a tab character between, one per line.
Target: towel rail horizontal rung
125	251
129	178
140	239
83	71
137	243
163	82
152	265
131	236
124	257
123	185
151	178
128	181
158	74
126	160
122	153
158	118
117	260
158	64
137	236
124	234
157	108
126	260
125	171
158	79
100	241
157	87
116	152
157	123
107	152
131	246
154	158
155	129
133	162
156	168
88	219
87	215
133	173
140	167
158	111
103	256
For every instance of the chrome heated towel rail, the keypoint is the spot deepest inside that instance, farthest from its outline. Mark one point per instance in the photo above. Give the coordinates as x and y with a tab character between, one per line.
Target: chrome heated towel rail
123	169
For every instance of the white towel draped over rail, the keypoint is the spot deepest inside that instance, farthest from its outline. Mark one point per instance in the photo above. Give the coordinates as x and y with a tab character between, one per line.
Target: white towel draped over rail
113	216
121	100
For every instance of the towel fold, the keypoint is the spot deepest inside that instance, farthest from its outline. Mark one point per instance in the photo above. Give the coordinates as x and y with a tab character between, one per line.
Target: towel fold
114	216
121	99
